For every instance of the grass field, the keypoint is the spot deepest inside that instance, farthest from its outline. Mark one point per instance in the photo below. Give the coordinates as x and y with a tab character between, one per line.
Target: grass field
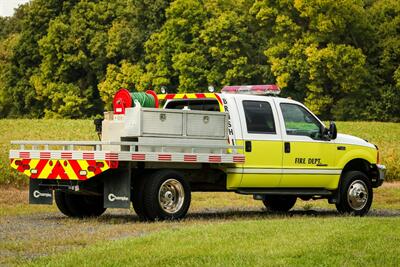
279	241
221	229
385	135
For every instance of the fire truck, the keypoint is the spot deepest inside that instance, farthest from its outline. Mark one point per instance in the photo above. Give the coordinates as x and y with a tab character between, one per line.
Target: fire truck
245	140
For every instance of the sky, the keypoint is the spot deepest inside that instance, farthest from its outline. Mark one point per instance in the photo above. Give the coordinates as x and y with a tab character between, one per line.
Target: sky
7	6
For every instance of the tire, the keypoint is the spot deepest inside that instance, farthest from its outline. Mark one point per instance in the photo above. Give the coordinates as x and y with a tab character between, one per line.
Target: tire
355	194
62	203
279	203
79	206
137	197
166	196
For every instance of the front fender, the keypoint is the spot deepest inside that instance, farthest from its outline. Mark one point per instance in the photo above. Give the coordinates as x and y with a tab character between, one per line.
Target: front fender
356	152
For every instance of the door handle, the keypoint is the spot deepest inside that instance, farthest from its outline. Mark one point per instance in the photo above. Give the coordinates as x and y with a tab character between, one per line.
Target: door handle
247	145
287	147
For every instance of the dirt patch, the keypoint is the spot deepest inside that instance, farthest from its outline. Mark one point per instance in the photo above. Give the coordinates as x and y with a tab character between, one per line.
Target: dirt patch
391	185
10	195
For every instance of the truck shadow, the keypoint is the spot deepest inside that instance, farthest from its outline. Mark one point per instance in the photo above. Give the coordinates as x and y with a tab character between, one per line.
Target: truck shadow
243	214
221	215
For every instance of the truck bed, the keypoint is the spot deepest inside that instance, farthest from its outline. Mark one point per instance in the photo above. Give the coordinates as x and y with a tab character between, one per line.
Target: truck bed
81	160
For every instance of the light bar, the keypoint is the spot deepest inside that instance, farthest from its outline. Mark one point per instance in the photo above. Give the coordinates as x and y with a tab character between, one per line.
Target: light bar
262	89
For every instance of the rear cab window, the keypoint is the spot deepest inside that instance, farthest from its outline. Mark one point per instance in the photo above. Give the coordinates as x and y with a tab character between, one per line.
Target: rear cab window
259	117
194	104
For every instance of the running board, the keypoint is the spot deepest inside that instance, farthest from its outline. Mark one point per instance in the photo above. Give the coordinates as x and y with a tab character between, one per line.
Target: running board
285	191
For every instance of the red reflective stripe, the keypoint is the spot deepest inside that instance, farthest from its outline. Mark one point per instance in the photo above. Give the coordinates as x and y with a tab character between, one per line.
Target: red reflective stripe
138	157
169	96
58	171
166	157
218	98
214	158
66	155
238	159
191	158
88	155
111	156
200	95
24	155
39	168
45	155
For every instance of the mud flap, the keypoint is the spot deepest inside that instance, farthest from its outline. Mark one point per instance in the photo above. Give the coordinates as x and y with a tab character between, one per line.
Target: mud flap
39	195
117	189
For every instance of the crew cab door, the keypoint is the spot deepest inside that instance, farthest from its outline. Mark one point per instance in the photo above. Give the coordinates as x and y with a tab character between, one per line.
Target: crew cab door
261	135
308	158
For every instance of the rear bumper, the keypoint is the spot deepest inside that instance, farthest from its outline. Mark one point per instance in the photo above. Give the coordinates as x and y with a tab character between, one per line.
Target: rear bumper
381	172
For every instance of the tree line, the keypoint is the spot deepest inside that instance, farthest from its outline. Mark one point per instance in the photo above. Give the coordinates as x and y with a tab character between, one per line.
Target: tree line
66	58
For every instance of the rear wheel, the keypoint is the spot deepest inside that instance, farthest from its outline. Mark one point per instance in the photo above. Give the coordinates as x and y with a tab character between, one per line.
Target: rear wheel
355	194
137	197
166	196
62	203
75	205
279	203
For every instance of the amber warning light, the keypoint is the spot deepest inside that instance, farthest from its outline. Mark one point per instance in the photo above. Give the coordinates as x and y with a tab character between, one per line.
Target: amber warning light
262	89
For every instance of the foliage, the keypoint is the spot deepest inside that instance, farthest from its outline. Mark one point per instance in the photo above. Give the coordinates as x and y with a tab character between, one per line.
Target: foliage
67	57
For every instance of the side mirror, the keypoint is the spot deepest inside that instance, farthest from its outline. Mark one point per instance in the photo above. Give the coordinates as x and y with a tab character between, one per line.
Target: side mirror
332	130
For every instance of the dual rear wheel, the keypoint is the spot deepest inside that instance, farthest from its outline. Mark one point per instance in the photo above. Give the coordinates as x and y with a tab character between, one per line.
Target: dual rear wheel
161	195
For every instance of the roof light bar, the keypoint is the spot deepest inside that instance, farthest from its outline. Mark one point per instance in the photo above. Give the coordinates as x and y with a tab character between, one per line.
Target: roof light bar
262	89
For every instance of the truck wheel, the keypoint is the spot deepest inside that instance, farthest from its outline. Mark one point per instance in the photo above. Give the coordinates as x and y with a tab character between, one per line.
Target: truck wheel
74	205
62	203
137	197
279	203
166	196
355	194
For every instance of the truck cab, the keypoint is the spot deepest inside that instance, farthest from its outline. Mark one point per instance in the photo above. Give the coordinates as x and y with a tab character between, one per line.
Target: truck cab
290	152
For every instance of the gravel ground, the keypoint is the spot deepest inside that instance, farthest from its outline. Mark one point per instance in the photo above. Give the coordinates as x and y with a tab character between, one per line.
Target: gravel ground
28	232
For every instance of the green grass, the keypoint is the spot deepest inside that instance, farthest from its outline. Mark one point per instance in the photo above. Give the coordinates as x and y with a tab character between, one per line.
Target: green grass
342	241
385	135
33	231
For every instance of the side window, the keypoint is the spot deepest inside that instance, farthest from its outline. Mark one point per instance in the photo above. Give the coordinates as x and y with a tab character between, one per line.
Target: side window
259	117
298	121
195	104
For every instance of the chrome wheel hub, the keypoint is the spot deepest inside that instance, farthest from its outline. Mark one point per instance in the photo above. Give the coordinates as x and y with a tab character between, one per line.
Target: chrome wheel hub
171	196
357	195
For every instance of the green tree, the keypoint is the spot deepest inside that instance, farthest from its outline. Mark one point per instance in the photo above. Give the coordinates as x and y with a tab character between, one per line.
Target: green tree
316	48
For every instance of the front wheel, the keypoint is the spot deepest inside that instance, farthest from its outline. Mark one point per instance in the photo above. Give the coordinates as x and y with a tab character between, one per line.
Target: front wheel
355	194
166	196
279	203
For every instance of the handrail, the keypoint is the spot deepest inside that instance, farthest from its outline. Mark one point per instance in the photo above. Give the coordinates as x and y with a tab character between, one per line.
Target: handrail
97	144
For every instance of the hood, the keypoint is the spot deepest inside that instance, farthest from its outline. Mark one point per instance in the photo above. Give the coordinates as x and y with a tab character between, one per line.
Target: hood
352	140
